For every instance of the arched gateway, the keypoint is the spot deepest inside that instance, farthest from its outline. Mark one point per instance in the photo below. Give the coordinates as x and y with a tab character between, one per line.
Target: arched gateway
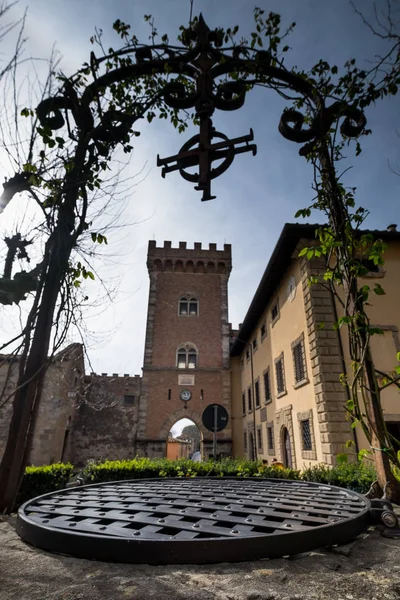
186	362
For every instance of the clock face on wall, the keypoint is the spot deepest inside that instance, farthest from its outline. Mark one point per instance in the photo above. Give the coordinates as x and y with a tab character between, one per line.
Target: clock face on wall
185	395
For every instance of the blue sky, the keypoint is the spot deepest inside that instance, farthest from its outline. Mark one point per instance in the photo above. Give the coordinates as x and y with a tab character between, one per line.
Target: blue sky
256	196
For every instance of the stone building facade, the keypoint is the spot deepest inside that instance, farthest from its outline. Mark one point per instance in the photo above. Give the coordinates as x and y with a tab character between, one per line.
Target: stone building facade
287	358
277	375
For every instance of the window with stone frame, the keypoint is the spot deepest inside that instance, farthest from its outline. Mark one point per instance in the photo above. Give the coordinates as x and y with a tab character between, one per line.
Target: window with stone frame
263	331
255	344
247	355
187	357
244	403
259	440
280	375
267	386
299	361
257	393
270	438
188	306
307	437
275	312
249	402
245	441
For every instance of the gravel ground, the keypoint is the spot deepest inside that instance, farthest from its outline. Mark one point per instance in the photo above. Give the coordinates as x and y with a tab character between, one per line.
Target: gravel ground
367	569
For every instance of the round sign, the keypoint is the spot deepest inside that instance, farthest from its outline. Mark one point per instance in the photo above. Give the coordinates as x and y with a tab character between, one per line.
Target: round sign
215	414
185	395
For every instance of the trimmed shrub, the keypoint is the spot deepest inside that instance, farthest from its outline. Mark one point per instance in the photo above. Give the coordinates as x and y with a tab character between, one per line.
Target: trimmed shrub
357	476
141	468
41	480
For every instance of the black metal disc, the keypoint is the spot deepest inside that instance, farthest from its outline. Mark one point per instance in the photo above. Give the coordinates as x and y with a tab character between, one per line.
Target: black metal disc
196	520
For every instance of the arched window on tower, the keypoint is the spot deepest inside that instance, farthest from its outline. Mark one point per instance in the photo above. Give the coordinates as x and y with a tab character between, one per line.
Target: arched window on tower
186	357
188	306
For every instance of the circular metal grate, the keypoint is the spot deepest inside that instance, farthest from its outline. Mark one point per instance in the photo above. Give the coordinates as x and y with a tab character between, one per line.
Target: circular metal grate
197	520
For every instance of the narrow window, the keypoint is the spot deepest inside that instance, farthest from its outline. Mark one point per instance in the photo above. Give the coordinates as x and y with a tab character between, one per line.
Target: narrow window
249	403
129	400
169	394
275	311
255	345
280	375
299	361
183	306
263	331
257	393
192	359
259	440
267	387
181	362
201	394
245	441
247	354
193	306
270	438
306	434
244	403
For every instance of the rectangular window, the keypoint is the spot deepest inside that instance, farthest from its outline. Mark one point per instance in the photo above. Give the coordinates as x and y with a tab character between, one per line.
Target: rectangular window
280	375
257	393
275	311
299	360
255	344
263	331
250	406
267	387
247	354
169	394
244	403
270	438
129	400
245	441
306	434
259	439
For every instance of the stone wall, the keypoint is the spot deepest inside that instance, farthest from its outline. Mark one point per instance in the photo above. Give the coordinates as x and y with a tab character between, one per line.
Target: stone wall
105	424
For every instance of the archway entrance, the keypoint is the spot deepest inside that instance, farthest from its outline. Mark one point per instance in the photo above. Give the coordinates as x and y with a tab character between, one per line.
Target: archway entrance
184	441
286	448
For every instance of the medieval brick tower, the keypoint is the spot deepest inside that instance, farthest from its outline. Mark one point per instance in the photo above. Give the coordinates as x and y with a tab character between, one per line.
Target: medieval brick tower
186	361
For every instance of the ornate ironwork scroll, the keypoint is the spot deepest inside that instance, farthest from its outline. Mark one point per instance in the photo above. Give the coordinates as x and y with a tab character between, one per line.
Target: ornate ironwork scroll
198	79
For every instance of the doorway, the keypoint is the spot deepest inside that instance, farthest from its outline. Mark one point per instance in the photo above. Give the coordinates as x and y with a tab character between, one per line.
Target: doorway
184	441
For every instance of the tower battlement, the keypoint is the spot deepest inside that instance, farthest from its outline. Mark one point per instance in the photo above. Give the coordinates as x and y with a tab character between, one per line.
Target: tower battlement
184	259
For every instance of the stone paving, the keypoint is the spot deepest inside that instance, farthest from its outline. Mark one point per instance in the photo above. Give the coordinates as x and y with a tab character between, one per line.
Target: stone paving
367	569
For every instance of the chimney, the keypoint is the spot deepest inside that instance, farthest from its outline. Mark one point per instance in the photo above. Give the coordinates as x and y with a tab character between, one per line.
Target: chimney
392	227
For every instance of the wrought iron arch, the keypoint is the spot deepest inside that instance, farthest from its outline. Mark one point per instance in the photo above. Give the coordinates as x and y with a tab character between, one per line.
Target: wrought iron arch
198	74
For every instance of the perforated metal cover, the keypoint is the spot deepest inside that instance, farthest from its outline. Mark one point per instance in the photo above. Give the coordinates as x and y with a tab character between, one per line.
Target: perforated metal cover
196	520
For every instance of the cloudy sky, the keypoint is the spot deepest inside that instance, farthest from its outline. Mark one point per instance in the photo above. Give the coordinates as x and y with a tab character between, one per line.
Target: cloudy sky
255	197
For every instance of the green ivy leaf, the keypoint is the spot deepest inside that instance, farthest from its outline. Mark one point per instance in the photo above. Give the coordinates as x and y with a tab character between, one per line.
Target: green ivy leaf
379	291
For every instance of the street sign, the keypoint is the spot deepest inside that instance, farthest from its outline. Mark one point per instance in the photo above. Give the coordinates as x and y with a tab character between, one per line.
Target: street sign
215	417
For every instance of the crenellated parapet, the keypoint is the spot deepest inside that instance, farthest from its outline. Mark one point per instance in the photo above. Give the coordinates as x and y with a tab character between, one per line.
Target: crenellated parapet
189	260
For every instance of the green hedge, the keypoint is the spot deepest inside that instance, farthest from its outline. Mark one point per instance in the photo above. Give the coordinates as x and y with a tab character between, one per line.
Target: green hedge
161	467
41	480
357	476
